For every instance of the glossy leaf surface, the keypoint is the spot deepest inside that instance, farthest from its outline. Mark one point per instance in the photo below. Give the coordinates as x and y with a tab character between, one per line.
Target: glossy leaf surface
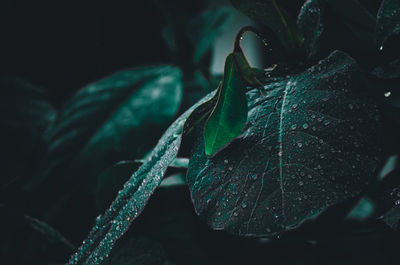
134	195
309	144
230	112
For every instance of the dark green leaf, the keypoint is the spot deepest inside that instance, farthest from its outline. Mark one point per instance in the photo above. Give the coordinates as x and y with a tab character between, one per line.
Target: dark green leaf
113	179
392	217
25	113
50	233
268	13
230	113
311	143
310	23
115	118
134	195
388	21
204	29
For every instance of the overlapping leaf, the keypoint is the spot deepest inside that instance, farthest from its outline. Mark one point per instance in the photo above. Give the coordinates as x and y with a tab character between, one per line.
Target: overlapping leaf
134	195
25	113
105	122
311	143
388	21
230	112
310	23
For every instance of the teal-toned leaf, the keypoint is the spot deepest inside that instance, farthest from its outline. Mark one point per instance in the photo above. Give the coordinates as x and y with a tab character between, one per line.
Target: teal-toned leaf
116	118
310	24
388	21
113	179
50	233
25	113
270	14
134	195
363	210
311	143
204	29
230	112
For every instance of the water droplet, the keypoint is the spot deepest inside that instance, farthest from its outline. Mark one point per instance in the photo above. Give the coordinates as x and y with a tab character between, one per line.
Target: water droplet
235	214
387	94
299	144
294	126
279	153
305	126
397	202
226	161
381	48
301	183
244	205
326	122
254	176
230	168
295	106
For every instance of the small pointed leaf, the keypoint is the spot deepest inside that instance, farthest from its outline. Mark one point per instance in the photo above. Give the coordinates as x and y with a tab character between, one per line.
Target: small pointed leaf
311	143
230	112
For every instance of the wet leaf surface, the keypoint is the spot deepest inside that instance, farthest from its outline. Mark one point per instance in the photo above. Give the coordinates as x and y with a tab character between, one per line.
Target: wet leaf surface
311	143
105	122
49	232
310	23
388	21
134	195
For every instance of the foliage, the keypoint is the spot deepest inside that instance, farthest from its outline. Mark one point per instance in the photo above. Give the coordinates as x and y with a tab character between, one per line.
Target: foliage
296	157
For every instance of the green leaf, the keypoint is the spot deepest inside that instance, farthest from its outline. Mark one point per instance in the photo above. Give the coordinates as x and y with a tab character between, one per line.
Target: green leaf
25	113
50	233
204	29
310	24
388	21
116	118
230	112
113	179
311	143
133	197
268	13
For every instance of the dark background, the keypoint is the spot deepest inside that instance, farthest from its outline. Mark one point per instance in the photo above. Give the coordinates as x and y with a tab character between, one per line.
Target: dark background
61	46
